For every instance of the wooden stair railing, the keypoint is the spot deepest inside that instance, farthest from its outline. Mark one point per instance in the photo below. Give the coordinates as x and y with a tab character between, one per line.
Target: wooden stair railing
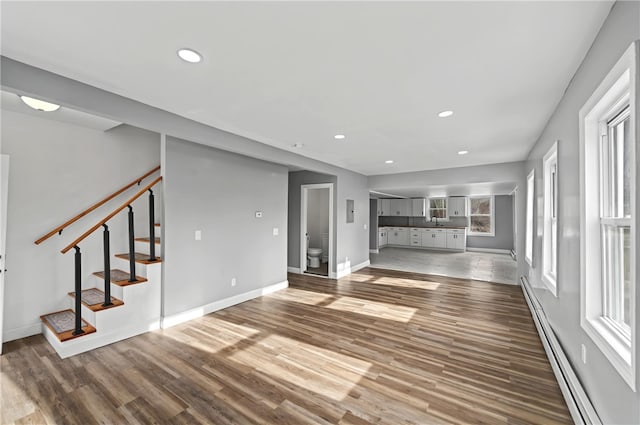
60	228
107	267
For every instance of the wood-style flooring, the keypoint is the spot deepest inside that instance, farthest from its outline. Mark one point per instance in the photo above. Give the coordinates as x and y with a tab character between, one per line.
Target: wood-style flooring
376	347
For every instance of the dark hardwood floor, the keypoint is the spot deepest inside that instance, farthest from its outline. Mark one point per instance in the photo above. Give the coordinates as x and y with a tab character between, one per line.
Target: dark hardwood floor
378	346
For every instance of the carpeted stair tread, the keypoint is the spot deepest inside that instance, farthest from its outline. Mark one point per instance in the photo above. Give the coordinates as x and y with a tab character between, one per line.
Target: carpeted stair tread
62	324
93	298
147	240
140	258
121	278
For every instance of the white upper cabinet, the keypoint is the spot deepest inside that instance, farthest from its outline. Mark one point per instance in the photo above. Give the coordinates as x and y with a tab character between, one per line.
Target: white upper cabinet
400	207
384	206
457	206
419	207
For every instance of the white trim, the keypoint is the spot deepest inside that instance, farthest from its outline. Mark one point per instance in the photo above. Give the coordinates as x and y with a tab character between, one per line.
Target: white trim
22	332
347	269
374	251
294	270
530	217
622	78
580	407
194	313
490	250
303	224
549	276
492	216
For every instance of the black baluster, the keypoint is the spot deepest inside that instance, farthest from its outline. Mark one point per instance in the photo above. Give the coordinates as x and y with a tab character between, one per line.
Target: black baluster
107	267
78	325
152	228
132	248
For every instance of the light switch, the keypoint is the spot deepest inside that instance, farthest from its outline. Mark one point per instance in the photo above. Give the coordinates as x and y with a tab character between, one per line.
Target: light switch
365	226
276	231
198	235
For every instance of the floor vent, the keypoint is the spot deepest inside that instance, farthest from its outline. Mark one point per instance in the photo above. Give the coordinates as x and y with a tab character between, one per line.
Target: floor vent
578	402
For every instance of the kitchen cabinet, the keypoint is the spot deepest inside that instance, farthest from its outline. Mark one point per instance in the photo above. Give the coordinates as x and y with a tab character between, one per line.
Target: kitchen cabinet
400	207
457	206
415	237
384	207
382	237
434	238
398	236
419	207
456	239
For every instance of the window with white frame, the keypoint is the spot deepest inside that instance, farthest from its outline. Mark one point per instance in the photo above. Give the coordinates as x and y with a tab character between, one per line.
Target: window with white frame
438	208
528	249
481	216
550	215
608	217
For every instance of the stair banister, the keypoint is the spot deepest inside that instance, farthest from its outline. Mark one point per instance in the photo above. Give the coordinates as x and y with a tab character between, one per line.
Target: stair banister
60	228
111	215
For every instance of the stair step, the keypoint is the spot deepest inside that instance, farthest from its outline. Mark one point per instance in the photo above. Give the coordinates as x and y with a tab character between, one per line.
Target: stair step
140	258
121	278
157	224
147	240
62	323
94	298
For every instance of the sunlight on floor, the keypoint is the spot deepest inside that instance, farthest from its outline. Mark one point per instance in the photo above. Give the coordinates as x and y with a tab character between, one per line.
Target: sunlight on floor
12	402
301	296
220	334
406	283
316	369
373	308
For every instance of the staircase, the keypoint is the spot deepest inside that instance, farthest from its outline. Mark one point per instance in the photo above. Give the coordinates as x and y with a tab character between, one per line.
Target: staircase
116	303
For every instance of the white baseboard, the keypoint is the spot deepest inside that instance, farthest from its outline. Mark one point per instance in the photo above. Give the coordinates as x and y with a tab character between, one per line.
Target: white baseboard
347	270
22	332
490	250
580	407
374	251
293	270
194	313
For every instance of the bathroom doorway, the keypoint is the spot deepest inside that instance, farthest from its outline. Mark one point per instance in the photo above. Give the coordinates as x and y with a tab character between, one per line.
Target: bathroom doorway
316	229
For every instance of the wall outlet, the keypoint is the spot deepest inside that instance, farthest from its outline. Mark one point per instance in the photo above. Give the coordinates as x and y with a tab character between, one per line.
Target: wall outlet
198	235
365	226
233	281
276	231
584	353
258	214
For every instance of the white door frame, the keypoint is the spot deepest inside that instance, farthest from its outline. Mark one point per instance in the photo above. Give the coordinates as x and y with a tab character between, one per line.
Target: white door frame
4	189
303	225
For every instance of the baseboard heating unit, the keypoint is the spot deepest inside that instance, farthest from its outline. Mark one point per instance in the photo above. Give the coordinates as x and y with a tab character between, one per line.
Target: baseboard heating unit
578	402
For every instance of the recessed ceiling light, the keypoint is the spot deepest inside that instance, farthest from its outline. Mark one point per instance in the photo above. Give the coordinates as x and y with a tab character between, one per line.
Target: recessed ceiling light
39	105
445	114
298	145
389	161
189	55
339	136
463	152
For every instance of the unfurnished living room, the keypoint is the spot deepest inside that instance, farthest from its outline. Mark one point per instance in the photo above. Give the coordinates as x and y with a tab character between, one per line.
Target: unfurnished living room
319	212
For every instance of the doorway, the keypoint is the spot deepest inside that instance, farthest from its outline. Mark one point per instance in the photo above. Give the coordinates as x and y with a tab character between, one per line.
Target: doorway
4	185
316	229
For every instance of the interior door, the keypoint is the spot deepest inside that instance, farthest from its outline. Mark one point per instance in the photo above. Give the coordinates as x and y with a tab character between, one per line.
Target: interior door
4	190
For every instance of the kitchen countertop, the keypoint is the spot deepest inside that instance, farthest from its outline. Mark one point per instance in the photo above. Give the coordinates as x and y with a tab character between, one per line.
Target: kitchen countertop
423	227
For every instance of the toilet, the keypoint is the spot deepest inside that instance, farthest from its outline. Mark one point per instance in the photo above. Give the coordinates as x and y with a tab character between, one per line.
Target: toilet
313	256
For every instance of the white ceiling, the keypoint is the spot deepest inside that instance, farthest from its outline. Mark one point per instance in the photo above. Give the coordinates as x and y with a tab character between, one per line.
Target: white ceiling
12	102
300	72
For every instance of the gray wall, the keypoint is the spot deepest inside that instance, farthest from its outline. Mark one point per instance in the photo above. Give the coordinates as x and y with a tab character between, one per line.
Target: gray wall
57	170
503	238
218	193
614	401
317	216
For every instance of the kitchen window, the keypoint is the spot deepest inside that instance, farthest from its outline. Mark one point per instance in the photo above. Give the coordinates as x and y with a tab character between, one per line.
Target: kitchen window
550	224
481	216
608	217
438	208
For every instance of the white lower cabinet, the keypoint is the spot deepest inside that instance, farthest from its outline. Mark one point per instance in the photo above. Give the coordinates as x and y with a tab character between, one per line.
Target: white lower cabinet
440	238
434	238
382	238
398	236
456	240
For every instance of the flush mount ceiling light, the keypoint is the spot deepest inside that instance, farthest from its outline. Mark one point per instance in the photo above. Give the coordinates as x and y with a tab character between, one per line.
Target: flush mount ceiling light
389	161
339	136
189	55
39	105
445	114
463	152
